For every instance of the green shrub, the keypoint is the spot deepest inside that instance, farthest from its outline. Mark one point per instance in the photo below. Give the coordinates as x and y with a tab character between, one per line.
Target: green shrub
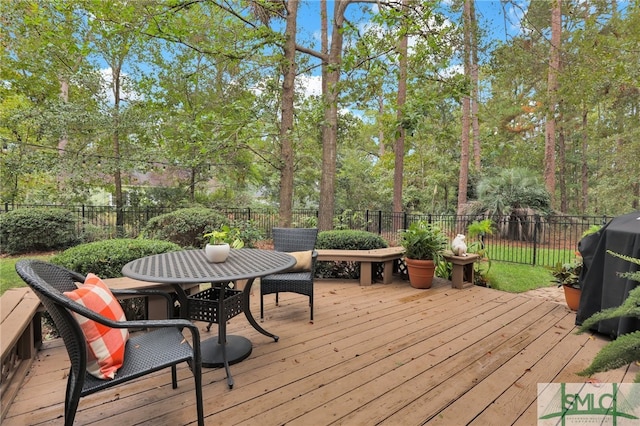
106	258
37	229
249	232
184	227
350	240
345	240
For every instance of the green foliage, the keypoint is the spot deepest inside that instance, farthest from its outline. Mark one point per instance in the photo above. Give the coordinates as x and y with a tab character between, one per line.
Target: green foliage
225	234
37	229
423	241
477	230
482	227
591	230
444	270
626	348
106	258
345	240
349	240
248	232
567	273
512	189
184	227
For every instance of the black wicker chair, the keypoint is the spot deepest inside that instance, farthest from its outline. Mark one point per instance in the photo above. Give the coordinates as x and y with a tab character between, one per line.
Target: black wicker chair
144	352
291	240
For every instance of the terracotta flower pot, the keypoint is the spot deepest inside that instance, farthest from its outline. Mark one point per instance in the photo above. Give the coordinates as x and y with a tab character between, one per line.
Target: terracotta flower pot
572	297
421	272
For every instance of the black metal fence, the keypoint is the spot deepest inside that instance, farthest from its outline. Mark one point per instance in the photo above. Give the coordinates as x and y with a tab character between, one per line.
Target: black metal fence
525	239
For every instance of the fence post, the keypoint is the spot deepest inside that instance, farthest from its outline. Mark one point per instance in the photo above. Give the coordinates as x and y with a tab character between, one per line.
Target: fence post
535	239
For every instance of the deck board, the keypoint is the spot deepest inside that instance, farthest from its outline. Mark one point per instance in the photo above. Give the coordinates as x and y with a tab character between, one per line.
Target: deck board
385	354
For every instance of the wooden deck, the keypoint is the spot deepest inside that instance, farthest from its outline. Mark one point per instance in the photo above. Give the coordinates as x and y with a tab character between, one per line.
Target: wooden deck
385	354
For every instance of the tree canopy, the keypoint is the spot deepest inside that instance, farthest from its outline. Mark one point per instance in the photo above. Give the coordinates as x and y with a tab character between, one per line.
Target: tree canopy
188	102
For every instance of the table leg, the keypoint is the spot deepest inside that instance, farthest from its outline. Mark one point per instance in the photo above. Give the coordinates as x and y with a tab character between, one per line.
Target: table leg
247	312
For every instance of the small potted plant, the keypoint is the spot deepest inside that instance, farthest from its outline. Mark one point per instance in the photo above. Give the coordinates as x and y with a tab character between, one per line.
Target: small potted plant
220	243
424	244
567	275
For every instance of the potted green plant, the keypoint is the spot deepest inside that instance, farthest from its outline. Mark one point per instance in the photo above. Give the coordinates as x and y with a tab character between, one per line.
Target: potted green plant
567	275
424	244
220	243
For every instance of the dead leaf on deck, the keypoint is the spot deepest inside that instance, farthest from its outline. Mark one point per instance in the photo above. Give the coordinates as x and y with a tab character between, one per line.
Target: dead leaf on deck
333	292
336	350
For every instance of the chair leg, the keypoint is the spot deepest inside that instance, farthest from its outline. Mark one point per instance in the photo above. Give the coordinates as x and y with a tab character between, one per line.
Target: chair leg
72	399
174	377
277	299
311	306
261	306
197	376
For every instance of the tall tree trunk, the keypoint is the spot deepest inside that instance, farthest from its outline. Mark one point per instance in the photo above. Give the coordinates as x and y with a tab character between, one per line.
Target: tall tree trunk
115	138
463	178
398	172
584	175
286	123
381	148
474	85
552	89
330	124
562	161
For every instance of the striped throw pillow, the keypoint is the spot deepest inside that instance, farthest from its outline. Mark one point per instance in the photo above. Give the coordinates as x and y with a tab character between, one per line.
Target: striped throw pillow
106	345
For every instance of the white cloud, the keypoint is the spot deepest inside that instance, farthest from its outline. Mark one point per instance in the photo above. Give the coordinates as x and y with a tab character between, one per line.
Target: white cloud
107	88
309	85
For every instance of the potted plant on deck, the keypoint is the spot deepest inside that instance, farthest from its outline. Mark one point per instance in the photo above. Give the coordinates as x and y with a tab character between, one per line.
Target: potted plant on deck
424	244
220	243
567	275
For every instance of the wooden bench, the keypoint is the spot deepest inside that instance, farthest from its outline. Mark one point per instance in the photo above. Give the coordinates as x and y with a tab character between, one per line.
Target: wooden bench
462	274
156	306
20	338
367	258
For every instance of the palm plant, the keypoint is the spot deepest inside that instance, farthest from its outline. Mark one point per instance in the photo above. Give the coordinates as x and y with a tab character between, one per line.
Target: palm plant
626	348
512	198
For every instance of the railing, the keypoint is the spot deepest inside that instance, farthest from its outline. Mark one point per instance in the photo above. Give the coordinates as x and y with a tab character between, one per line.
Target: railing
533	239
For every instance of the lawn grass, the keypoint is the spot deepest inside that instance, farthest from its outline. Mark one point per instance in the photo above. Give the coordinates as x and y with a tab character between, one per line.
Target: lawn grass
525	255
517	278
8	276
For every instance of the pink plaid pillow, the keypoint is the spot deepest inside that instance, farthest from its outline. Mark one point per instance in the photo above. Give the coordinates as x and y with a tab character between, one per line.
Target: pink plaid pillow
106	345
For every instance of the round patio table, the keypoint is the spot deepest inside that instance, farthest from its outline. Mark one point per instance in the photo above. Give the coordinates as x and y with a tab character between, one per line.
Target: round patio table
219	303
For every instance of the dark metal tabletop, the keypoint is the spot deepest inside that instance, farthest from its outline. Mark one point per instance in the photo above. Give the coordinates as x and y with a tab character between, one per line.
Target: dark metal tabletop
191	266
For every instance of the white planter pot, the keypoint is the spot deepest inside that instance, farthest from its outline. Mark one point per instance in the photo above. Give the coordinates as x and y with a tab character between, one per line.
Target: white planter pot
217	253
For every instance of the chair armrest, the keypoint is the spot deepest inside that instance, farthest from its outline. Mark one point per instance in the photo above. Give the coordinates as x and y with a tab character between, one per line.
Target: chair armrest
178	323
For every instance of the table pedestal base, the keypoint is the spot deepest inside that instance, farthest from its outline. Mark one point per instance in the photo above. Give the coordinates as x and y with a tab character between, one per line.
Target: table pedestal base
238	348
